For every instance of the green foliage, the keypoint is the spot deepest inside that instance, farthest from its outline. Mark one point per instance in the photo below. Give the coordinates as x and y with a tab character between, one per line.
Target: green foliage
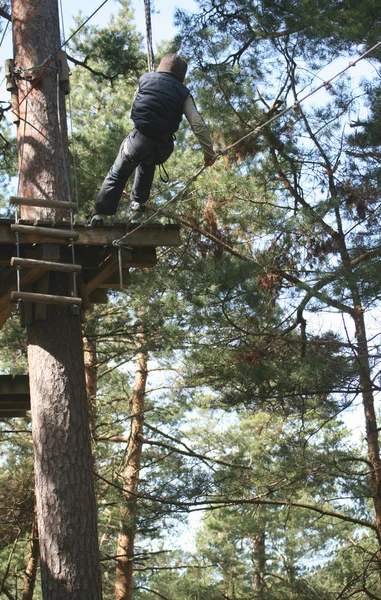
247	381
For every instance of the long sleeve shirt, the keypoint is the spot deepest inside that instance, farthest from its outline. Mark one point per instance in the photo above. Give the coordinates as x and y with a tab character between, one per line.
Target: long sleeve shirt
198	127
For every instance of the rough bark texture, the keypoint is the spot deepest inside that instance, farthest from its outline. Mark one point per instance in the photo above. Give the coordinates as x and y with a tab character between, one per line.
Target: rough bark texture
66	509
63	465
130	478
31	568
91	376
42	132
259	563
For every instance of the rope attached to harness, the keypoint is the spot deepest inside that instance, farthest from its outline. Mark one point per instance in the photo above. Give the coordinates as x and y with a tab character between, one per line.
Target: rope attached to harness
150	54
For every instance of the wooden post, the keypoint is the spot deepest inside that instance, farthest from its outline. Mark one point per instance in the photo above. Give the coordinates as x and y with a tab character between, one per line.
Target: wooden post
66	508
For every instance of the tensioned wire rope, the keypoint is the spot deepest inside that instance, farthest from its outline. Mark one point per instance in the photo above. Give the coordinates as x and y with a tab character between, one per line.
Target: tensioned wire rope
47	61
326	84
150	54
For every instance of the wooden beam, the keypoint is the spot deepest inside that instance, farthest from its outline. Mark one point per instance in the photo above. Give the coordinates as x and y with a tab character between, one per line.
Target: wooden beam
12	414
5	311
45	265
45	298
43	202
151	235
15	403
99	296
43	234
113	282
14	384
109	265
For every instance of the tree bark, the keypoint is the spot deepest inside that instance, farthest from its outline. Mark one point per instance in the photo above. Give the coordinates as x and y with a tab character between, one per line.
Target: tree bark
91	376
259	561
66	508
130	478
31	568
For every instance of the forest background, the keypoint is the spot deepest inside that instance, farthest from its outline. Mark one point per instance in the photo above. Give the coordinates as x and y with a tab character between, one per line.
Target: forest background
230	368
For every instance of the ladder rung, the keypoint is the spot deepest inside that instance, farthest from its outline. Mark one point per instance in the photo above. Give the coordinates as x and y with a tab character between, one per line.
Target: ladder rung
45	299
46	231
43	202
32	263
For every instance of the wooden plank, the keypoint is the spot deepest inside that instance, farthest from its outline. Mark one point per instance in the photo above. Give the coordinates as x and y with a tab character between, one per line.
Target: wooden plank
5	311
46	232
14	384
43	202
99	296
42	287
30	263
6	254
15	403
9	282
94	278
113	282
49	252
12	414
142	258
45	298
149	236
26	310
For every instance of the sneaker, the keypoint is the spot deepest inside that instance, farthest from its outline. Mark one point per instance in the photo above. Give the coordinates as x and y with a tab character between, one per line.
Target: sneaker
94	220
135	206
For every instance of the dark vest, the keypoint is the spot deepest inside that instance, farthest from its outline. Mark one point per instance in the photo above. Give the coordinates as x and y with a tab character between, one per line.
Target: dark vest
159	104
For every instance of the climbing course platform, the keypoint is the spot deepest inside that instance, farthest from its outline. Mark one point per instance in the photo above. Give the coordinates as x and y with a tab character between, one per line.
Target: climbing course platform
14	396
45	246
95	260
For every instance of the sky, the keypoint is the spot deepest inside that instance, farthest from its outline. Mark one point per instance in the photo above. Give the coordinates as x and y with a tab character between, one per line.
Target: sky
161	18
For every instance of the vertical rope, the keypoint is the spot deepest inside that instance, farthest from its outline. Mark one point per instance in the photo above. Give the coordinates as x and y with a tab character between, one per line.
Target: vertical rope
66	166
150	54
71	128
23	137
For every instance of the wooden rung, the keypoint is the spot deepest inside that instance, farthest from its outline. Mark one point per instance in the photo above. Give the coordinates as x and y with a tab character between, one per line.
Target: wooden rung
43	202
5	414
33	263
46	231
45	299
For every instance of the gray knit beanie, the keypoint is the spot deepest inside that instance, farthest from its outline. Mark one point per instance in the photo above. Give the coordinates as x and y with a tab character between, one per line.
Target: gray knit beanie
174	64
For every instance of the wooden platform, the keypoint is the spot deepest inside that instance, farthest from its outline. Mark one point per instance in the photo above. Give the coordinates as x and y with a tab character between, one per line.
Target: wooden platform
14	396
94	252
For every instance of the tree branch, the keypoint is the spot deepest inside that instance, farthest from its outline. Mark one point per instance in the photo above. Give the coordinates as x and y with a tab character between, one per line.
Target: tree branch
83	63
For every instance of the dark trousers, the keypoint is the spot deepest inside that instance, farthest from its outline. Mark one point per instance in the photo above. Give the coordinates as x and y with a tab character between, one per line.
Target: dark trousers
136	152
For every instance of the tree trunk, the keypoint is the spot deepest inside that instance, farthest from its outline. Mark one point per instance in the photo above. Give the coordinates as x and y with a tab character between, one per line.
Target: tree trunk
91	376
259	560
31	569
130	479
371	426
66	508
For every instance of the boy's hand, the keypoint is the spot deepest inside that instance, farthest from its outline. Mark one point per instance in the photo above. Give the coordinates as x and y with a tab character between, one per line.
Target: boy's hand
209	160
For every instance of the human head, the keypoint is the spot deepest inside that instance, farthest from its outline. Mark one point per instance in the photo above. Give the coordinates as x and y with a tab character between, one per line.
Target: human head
174	64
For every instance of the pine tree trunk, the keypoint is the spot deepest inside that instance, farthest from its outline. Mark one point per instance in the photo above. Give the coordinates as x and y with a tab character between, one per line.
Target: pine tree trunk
371	425
91	376
66	509
259	560
130	480
31	569
363	363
